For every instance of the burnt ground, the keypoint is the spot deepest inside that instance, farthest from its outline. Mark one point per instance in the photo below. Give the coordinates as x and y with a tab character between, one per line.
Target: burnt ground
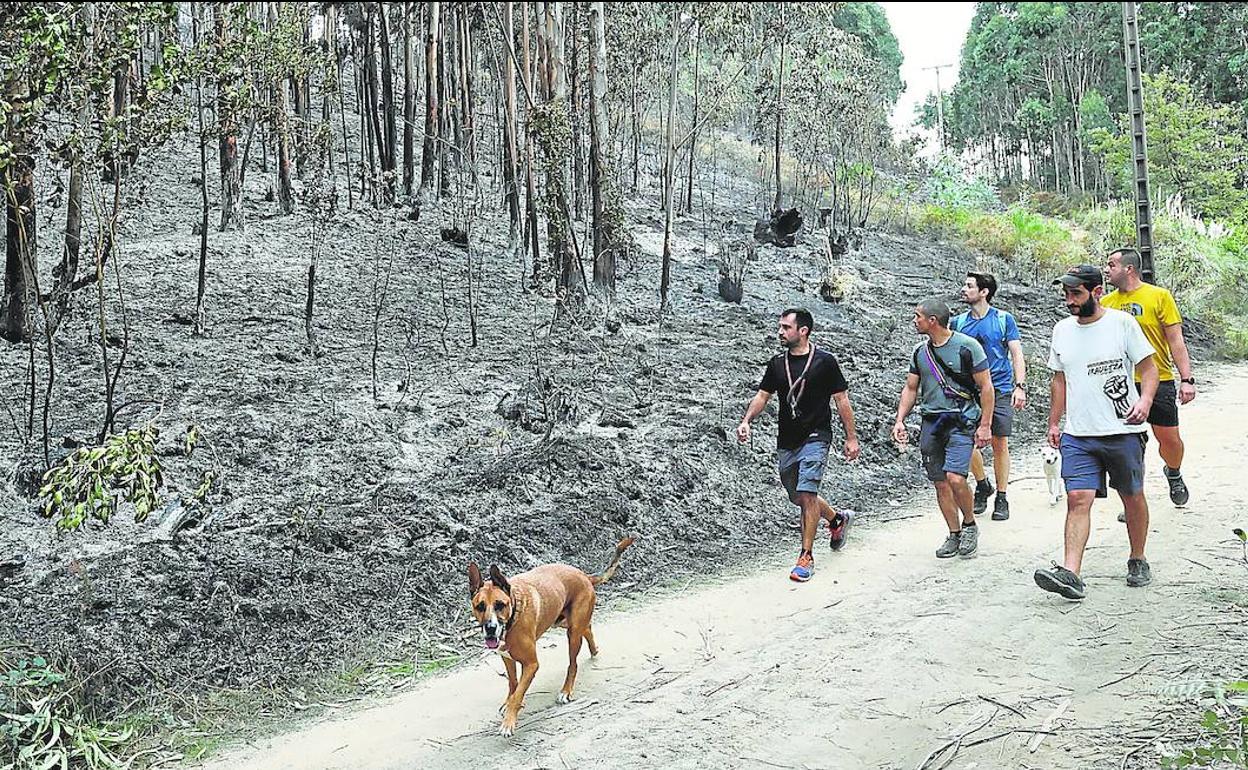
339	525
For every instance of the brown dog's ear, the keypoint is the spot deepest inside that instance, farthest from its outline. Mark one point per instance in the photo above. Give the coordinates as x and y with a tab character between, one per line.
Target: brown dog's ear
500	580
474	579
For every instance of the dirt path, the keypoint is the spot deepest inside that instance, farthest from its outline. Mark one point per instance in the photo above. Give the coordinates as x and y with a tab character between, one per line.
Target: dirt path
887	655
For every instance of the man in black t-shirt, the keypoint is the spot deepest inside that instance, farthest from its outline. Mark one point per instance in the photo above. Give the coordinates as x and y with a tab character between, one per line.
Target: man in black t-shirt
808	380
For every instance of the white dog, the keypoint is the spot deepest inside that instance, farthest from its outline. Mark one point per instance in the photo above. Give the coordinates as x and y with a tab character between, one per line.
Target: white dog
1052	472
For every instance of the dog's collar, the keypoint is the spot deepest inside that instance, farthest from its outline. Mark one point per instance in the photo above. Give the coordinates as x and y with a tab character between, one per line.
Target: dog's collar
515	610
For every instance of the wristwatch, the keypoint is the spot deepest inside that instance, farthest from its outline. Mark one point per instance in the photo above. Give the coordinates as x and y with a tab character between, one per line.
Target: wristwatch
1189	381
1020	386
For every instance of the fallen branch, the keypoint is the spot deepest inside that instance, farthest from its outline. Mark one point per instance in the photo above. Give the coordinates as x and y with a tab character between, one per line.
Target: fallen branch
986	699
1125	676
725	686
765	762
542	717
991	738
1047	726
955	744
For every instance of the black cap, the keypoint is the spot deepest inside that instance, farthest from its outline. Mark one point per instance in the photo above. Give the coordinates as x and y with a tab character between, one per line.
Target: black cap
1082	275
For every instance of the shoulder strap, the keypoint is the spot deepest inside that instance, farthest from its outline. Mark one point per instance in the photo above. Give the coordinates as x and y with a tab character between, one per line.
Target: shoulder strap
949	381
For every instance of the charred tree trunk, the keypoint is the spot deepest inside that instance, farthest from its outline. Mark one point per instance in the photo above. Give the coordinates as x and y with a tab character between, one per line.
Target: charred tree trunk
510	164
553	133
200	284
117	161
428	157
444	113
375	108
390	145
779	118
19	240
530	187
578	156
669	169
227	130
467	119
600	178
409	99
693	138
281	126
329	79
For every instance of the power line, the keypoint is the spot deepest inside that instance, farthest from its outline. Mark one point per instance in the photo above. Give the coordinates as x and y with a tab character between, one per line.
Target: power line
940	107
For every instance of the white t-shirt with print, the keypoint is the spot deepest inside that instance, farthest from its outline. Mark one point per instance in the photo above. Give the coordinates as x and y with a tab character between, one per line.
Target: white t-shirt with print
1099	361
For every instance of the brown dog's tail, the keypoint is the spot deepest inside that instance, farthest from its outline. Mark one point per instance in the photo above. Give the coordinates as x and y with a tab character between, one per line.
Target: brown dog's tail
609	572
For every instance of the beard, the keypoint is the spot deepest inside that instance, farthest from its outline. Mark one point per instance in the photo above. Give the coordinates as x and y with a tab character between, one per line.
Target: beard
1083	310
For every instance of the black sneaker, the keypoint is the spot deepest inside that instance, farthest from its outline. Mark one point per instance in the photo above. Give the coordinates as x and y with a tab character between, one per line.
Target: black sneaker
983	490
839	528
968	541
1178	490
950	548
1138	573
1001	508
1060	580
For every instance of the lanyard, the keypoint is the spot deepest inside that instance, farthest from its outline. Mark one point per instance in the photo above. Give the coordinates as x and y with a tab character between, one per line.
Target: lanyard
797	387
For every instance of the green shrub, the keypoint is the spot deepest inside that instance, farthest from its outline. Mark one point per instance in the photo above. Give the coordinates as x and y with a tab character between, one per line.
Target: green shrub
1051	204
41	726
93	481
1018	236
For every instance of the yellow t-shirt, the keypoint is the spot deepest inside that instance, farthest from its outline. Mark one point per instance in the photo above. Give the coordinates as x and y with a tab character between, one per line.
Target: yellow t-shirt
1154	309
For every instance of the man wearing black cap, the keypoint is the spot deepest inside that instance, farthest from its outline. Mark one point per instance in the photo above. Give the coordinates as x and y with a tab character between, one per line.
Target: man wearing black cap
1095	355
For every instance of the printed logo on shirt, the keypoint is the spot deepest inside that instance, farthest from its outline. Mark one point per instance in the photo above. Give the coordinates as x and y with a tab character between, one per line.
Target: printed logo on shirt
1102	368
1117	389
1135	309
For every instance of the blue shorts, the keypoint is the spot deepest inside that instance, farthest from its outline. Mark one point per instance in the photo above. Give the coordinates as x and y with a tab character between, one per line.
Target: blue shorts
946	441
801	469
1087	459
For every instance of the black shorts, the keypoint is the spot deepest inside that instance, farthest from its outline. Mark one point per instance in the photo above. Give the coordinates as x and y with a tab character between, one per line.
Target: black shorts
1165	411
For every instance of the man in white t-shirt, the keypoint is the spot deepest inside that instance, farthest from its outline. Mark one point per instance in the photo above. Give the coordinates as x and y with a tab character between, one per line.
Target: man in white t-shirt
1095	356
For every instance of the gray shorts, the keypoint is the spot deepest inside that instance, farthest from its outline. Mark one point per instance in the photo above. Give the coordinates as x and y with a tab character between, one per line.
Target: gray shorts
801	469
1003	414
946	443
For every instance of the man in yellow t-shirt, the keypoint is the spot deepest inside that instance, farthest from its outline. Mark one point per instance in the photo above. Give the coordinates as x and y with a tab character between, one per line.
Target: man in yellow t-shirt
1154	309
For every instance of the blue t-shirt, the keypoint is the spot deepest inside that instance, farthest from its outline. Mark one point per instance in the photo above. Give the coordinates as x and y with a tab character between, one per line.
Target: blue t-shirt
994	331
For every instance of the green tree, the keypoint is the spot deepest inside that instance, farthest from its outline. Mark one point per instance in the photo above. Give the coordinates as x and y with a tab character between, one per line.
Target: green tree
868	23
1195	148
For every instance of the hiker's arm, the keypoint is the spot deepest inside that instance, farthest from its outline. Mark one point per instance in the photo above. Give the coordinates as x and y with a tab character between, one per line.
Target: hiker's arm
1147	369
987	400
1183	360
1057	407
756	407
1020	373
909	394
846	412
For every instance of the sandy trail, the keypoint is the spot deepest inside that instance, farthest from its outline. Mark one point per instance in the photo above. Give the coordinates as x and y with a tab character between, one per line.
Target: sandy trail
885	656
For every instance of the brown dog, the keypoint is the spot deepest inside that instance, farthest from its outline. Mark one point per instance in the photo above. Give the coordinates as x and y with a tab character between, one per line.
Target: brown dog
515	612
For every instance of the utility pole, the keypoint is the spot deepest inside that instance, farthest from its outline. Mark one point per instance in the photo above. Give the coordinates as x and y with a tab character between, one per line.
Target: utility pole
1139	149
940	104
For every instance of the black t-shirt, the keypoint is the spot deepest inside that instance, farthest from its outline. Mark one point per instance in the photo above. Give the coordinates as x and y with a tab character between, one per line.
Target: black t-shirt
814	396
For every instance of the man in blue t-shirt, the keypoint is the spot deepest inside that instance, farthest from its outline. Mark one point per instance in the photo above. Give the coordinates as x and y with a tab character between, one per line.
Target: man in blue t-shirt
997	331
